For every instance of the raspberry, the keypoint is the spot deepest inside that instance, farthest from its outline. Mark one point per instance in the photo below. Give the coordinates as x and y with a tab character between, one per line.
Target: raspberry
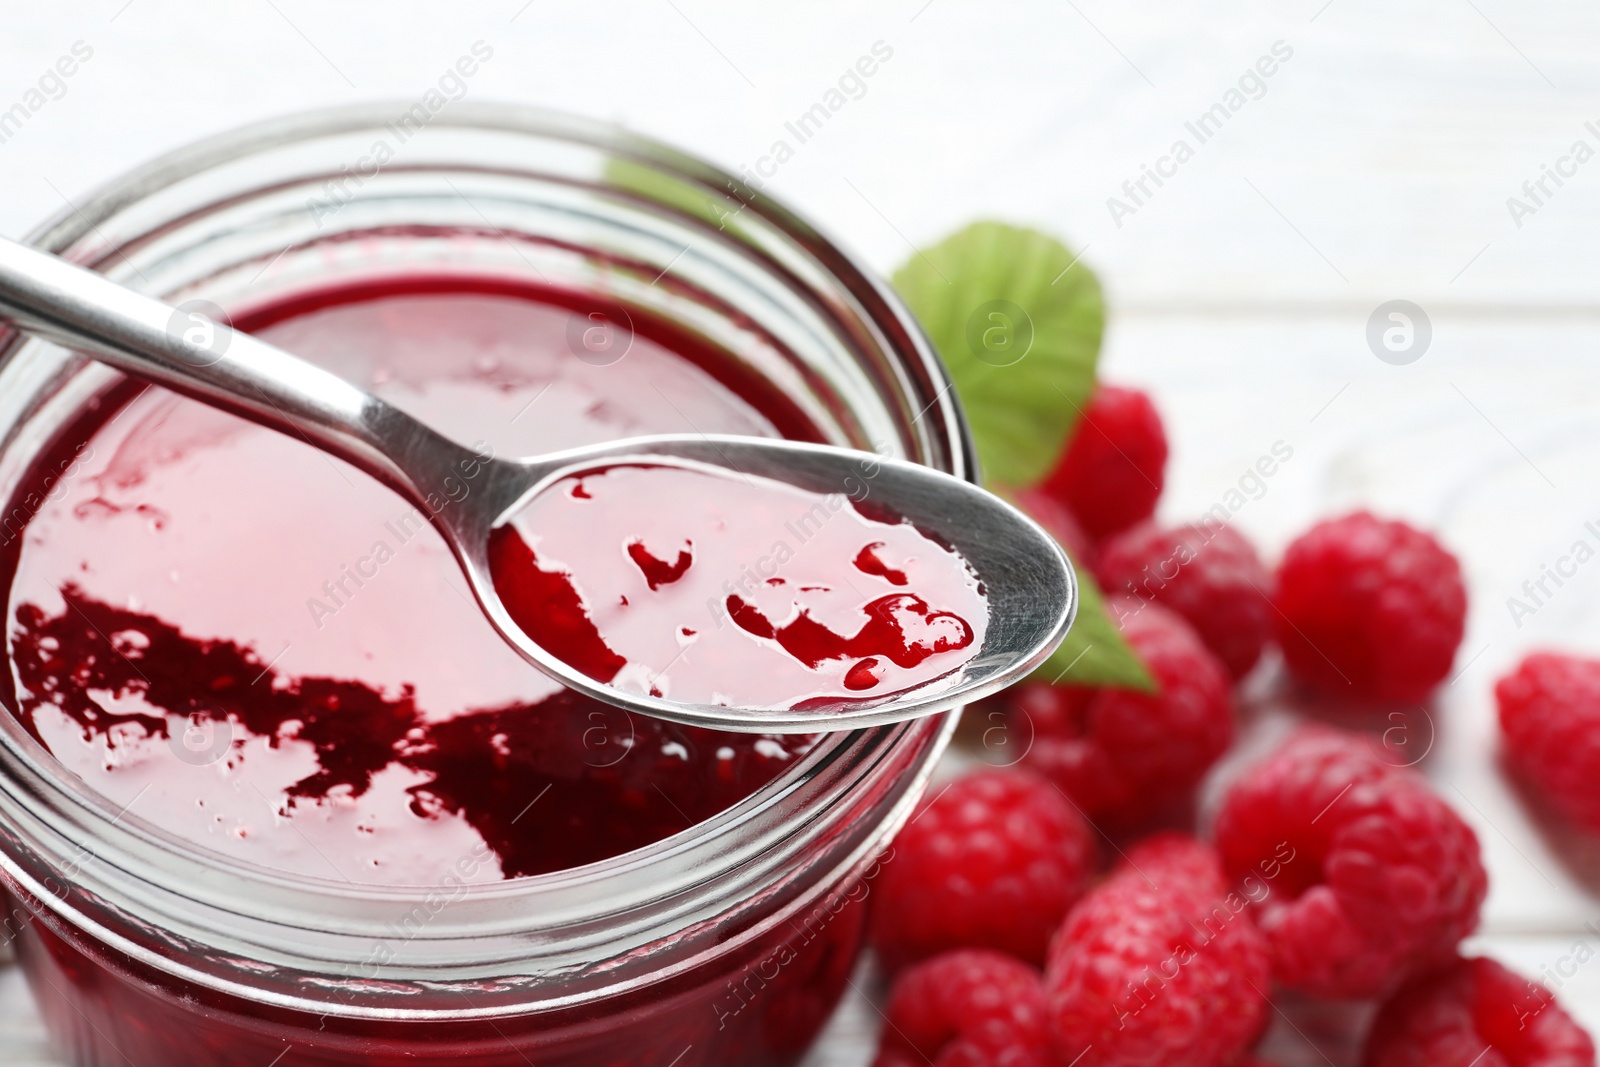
1113	468
1550	716
1124	756
994	861
1369	875
1370	609
1207	573
1159	966
1476	1013
968	1008
1059	521
994	1045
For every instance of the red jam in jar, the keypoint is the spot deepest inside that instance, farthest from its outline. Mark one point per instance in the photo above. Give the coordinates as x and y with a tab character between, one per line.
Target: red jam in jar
267	655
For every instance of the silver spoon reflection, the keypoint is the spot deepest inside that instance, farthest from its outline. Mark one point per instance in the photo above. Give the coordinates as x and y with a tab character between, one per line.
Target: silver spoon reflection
1029	588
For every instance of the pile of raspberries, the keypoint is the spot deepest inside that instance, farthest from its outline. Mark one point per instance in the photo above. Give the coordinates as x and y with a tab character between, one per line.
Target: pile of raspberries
1062	913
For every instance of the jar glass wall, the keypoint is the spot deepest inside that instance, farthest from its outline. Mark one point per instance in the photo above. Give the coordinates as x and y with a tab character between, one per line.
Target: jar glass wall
728	941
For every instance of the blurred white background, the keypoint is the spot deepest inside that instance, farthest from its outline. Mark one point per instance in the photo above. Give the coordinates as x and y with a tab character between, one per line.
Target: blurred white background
1375	163
1391	139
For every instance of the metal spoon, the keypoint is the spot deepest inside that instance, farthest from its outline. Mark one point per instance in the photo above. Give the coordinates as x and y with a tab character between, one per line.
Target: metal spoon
1031	590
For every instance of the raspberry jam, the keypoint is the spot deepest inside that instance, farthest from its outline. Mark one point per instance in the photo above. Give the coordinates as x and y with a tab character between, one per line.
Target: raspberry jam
264	653
267	653
718	588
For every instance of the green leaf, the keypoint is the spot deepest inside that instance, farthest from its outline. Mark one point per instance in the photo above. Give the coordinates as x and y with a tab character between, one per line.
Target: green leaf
1023	378
1094	652
1018	322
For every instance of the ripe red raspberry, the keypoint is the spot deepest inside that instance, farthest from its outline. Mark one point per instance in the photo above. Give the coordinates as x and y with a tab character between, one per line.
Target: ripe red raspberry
1159	966
1373	876
1115	465
1059	521
1476	1013
969	1008
1550	716
993	861
1208	573
1370	609
1127	757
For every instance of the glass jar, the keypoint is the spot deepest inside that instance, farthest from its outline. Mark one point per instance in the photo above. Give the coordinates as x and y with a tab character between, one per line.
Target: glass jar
728	942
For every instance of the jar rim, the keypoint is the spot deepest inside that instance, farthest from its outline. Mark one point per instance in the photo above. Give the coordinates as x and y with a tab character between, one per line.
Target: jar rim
701	854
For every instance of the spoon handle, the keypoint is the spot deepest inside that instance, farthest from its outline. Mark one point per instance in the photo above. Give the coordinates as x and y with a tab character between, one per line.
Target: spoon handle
189	353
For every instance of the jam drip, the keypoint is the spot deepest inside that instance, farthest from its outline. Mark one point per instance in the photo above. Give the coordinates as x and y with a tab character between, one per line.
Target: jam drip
549	607
867	562
659	572
900	627
615	782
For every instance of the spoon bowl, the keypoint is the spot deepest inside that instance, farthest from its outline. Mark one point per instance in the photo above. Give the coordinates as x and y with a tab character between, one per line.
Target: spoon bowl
1030	589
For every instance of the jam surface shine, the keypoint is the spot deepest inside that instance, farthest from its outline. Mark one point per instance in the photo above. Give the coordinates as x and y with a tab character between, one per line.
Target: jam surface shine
263	651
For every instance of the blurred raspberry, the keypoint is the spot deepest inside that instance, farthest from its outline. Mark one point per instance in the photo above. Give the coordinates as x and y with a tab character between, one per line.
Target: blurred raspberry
1369	875
1113	469
993	861
1127	757
1209	574
1550	716
1159	966
1370	609
1476	1013
969	1008
1059	521
997	1045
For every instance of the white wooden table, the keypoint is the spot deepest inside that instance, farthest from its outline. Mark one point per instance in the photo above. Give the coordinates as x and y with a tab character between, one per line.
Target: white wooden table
1376	165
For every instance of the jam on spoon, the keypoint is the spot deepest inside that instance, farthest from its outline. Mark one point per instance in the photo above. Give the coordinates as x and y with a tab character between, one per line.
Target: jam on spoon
707	586
1028	583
